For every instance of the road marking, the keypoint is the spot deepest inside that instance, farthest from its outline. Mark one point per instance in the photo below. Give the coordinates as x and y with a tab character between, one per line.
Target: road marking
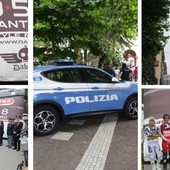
62	136
96	154
77	122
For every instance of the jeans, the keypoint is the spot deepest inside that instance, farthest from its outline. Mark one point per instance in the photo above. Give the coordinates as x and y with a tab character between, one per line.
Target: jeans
9	140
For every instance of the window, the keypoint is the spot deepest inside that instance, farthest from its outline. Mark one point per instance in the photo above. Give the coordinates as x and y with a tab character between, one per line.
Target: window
68	75
96	76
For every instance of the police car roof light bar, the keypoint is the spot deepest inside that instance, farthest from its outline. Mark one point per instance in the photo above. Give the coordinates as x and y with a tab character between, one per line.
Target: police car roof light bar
62	62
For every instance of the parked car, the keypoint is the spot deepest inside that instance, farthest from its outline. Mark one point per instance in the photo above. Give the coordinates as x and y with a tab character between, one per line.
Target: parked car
66	89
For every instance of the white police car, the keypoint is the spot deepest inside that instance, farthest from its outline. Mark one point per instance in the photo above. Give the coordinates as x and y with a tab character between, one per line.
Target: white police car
66	89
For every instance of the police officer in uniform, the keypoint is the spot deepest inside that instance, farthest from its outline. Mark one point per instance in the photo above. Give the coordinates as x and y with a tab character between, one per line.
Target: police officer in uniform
125	73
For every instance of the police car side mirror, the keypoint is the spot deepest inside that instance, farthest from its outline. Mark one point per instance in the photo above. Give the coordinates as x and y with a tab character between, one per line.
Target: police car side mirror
115	80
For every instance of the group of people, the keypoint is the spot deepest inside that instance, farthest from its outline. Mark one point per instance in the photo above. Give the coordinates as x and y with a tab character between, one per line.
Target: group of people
124	73
14	129
152	133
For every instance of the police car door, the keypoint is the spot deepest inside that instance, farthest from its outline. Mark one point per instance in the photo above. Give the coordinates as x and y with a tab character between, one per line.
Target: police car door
104	95
67	89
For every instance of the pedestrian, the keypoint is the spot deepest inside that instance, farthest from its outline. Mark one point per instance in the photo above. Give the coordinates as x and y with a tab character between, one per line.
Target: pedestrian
165	130
117	71
12	119
109	68
1	132
25	123
135	72
9	133
17	126
152	133
125	73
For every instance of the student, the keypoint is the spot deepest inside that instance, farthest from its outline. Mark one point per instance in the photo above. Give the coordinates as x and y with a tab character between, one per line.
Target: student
152	133
1	132
9	133
165	130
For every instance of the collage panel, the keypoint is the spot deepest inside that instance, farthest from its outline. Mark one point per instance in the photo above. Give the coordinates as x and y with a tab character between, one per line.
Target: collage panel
85	85
13	42
14	128
155	42
155	153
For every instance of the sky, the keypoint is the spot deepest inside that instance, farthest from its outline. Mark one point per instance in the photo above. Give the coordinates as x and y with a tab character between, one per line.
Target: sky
167	51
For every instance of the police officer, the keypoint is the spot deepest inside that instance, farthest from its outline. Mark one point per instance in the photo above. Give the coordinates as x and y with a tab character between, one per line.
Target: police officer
125	73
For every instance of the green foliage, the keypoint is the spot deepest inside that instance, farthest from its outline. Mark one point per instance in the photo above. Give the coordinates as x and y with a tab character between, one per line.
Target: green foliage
100	26
154	23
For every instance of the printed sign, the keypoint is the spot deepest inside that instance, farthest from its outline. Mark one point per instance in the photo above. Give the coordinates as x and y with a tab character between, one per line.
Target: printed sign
14	39
10	107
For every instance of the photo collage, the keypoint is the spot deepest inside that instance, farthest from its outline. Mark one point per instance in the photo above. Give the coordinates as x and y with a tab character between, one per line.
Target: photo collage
71	95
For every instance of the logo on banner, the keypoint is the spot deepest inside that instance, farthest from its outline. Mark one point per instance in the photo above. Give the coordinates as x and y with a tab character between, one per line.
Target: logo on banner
14	15
4	102
16	58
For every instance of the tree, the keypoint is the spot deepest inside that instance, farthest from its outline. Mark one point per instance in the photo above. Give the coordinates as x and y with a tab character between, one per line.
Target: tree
100	27
154	22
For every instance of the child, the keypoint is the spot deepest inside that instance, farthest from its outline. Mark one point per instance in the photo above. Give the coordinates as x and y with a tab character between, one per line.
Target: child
9	133
165	130
152	133
1	131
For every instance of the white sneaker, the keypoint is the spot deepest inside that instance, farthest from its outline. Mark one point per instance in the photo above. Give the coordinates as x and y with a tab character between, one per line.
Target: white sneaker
158	166
153	166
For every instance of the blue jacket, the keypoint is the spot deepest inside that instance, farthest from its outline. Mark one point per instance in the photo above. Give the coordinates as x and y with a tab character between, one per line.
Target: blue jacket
9	129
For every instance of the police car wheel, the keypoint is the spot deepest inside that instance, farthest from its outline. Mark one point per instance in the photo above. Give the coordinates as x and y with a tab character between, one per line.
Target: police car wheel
46	120
131	108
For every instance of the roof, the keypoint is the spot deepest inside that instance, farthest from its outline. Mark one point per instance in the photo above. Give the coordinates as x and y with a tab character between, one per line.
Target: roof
51	67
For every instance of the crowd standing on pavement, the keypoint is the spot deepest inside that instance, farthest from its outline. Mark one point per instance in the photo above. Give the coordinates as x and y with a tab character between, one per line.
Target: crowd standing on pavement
152	133
123	73
14	130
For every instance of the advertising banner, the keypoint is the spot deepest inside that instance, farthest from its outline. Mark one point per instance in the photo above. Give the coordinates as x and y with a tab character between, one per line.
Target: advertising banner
13	40
10	107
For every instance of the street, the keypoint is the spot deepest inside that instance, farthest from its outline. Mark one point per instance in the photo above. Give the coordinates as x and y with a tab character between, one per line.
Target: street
101	142
10	159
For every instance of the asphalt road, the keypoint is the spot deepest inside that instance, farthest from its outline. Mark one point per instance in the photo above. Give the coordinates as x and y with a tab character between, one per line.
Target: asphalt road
101	142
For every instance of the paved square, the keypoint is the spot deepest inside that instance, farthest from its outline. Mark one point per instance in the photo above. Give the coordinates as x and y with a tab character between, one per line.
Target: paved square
77	122
62	136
